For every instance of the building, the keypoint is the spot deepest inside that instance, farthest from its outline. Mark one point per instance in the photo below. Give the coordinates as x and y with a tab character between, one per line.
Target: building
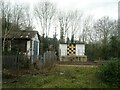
72	52
27	42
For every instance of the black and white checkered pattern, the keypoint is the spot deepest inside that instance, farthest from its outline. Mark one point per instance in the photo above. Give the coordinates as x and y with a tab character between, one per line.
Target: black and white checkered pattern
71	49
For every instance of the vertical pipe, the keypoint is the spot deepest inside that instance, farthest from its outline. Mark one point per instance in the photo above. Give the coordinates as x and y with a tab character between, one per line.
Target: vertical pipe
119	19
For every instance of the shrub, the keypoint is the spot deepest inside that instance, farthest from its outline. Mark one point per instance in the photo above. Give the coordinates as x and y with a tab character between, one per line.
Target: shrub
24	62
110	72
13	51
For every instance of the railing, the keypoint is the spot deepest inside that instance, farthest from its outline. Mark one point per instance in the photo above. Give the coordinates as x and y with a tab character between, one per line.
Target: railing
20	61
49	58
15	61
10	61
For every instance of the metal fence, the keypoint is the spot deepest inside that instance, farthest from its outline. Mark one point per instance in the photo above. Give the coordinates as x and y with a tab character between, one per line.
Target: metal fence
15	61
10	61
20	61
49	58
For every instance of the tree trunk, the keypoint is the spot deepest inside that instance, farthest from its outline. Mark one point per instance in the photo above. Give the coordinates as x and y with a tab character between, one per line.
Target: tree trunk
3	46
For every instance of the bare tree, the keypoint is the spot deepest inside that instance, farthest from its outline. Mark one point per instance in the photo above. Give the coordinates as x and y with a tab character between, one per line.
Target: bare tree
76	17
45	12
69	22
104	28
64	23
27	19
10	19
6	15
87	32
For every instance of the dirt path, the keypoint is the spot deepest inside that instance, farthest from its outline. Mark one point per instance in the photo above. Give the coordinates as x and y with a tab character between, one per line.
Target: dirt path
78	65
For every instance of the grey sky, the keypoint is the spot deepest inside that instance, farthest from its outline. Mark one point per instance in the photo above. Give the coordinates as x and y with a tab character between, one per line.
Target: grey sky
96	8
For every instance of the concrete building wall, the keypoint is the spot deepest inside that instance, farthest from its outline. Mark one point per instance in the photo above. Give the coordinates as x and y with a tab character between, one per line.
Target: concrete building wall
63	49
79	55
80	49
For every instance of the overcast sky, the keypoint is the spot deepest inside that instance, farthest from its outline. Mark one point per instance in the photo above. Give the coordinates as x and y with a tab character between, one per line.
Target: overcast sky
97	8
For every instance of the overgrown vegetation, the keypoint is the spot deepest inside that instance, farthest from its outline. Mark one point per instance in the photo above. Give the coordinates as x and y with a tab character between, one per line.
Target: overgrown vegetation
24	62
101	38
110	72
59	77
99	51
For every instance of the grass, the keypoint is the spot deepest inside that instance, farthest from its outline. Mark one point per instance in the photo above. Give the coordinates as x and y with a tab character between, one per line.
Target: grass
60	77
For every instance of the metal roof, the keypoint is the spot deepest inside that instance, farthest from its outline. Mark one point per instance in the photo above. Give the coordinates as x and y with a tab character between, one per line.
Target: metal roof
22	34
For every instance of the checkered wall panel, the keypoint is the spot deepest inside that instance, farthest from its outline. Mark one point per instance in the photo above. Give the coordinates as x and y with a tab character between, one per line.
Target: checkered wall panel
71	49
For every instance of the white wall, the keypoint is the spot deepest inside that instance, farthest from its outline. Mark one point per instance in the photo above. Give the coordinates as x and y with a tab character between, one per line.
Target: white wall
31	50
63	49
28	48
35	39
80	49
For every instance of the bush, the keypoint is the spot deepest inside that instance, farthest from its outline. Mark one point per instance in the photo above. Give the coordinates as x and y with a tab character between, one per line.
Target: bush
13	51
24	62
110	72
